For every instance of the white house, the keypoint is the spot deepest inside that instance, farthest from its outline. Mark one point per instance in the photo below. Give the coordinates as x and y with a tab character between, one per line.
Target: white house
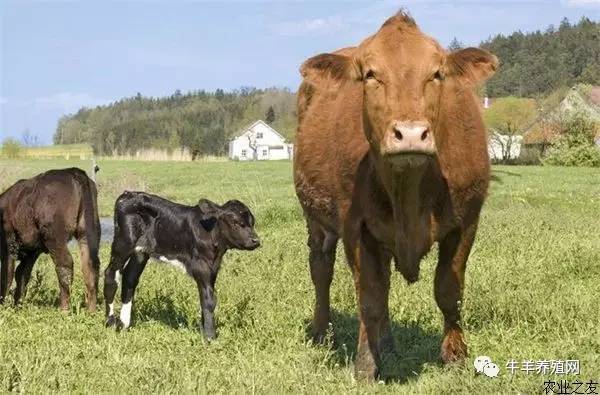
259	141
502	146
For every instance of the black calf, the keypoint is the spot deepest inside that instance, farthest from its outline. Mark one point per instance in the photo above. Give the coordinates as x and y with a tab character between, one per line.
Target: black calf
193	238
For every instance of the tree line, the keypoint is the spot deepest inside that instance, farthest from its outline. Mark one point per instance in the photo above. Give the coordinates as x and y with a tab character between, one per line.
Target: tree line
200	121
538	63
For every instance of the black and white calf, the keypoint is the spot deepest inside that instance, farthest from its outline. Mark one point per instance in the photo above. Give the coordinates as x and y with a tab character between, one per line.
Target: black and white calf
193	238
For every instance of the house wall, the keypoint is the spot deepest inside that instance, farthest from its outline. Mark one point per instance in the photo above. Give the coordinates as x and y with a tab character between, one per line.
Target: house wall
495	146
269	145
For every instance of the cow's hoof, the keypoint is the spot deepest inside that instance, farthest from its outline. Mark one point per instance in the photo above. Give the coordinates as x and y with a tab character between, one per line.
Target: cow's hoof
210	337
454	348
110	321
365	367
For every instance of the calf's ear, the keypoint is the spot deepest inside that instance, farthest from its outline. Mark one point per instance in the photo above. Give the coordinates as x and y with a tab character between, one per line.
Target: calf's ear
208	223
329	67
206	206
472	65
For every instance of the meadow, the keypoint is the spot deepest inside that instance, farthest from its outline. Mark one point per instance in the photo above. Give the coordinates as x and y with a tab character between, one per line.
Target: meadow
531	294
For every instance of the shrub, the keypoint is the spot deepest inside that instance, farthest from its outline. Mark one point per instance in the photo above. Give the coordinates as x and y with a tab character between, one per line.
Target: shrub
11	148
576	145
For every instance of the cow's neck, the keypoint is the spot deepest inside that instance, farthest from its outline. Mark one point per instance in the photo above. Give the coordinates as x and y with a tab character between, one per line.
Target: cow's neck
410	216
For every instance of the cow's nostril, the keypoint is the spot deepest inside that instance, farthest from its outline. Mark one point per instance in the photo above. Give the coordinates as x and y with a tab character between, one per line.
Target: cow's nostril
398	134
424	135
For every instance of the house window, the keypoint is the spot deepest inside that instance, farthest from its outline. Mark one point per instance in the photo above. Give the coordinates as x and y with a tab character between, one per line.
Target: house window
243	153
265	152
259	135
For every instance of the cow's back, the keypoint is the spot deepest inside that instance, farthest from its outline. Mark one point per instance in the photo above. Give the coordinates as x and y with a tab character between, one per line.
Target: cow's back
329	145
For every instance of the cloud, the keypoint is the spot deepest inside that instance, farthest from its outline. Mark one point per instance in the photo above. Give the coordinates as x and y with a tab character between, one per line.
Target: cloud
311	26
68	102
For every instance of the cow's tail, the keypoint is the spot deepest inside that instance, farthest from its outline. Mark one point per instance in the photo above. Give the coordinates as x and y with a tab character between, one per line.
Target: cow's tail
3	260
90	215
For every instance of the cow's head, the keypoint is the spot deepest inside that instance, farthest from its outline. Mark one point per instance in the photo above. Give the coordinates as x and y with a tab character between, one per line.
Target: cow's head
403	73
235	222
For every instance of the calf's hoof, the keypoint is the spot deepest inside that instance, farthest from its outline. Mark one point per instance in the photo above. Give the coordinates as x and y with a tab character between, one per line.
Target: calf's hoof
119	326
110	321
454	348
323	334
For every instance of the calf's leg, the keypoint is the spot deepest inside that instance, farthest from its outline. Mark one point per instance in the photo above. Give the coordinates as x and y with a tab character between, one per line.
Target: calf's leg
208	302
371	269
449	283
321	259
23	274
131	277
63	262
90	265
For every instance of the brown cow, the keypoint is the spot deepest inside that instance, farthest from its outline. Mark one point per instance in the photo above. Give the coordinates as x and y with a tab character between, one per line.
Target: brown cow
391	155
42	214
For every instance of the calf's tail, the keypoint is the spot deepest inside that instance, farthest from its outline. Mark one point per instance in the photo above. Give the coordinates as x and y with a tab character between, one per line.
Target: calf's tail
3	260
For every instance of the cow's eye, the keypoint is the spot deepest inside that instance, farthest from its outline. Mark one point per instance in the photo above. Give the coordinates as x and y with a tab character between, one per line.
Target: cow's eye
370	75
438	75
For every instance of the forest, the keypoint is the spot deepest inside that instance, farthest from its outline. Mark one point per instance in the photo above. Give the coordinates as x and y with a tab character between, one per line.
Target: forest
533	65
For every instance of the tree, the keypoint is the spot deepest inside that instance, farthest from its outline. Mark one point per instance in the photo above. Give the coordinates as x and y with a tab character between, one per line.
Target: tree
11	148
270	115
507	118
455	45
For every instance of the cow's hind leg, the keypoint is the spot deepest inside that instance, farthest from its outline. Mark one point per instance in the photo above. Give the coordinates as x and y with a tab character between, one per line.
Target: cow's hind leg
131	277
9	272
449	282
63	262
322	246
23	274
90	266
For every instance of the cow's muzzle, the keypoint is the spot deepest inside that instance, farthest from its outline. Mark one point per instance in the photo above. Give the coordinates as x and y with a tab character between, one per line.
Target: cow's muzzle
404	140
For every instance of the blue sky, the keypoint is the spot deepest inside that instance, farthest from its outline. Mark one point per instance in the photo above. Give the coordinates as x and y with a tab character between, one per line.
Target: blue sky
59	56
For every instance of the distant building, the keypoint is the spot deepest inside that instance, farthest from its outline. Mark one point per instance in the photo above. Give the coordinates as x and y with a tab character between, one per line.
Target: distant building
504	147
259	141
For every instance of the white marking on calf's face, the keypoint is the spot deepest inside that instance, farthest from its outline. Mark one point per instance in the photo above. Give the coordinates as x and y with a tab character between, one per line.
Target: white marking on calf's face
126	314
178	264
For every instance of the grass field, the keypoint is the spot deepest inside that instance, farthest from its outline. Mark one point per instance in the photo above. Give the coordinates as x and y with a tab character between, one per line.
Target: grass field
532	293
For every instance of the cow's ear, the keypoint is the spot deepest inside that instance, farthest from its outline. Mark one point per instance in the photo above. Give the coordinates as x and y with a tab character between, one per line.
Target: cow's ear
208	223
473	65
329	67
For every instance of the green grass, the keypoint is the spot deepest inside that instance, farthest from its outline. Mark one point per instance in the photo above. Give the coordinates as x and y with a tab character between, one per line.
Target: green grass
531	293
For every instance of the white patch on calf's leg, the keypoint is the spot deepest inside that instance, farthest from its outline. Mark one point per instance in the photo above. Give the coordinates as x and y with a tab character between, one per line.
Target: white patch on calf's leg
111	309
125	315
118	277
173	262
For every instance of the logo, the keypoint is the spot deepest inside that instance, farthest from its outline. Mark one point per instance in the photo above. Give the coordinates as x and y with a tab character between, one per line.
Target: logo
484	364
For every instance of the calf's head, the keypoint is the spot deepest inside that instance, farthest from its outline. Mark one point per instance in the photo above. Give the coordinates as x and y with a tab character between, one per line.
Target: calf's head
235	223
403	73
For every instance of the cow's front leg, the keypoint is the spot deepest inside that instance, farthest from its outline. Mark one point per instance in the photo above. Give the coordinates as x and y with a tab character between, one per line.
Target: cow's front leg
208	303
371	269
449	283
131	277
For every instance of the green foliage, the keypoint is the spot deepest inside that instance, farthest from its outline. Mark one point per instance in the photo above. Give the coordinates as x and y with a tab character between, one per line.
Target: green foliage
270	115
537	63
11	148
529	294
576	145
200	121
510	115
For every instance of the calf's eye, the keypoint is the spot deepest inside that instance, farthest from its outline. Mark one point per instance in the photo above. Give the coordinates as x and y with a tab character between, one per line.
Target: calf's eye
370	75
438	75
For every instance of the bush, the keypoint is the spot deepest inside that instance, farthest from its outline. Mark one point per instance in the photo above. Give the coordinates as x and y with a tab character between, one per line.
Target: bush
11	148
576	145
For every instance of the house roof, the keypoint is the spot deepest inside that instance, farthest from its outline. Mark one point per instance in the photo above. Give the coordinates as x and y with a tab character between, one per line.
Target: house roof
253	124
